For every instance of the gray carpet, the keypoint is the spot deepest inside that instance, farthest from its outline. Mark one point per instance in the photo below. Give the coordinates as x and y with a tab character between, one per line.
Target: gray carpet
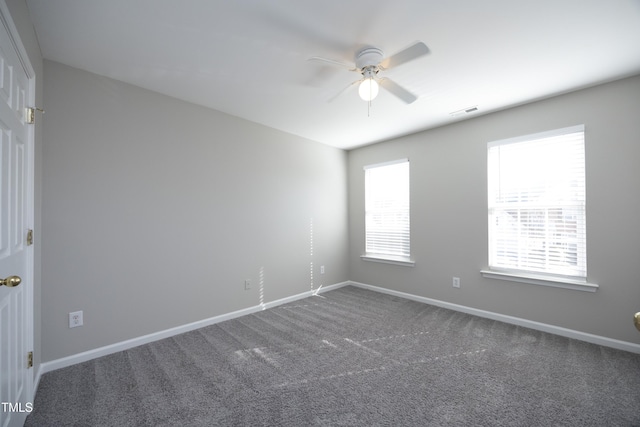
349	357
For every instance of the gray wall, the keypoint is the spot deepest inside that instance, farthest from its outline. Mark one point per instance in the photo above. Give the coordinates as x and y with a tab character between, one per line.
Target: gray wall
155	211
20	16
449	212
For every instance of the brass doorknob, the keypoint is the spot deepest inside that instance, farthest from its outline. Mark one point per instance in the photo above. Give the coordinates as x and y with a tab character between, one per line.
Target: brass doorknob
636	320
11	281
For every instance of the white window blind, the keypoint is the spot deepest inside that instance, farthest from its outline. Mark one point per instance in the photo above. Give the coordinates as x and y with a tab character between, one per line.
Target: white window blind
536	189
387	221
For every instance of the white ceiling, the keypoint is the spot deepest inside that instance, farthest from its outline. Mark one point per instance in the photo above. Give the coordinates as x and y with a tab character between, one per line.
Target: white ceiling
249	58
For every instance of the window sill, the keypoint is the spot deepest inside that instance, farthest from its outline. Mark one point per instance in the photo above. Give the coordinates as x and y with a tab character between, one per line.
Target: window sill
387	259
556	282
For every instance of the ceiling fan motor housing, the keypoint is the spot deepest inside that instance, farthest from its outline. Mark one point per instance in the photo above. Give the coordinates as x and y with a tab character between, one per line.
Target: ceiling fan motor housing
368	57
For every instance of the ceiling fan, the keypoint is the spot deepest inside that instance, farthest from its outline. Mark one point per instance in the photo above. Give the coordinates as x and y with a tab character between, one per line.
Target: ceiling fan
370	62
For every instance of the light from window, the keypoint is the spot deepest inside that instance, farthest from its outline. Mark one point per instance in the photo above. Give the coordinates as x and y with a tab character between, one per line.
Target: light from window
536	189
387	220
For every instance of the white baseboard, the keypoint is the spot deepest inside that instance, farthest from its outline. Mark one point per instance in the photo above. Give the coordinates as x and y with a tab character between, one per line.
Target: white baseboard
135	342
125	345
557	330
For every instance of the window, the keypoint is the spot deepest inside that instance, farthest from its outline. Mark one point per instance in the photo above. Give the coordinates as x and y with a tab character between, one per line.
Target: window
387	218
536	200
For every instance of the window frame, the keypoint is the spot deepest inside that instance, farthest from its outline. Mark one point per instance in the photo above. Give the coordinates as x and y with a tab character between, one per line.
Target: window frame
532	276
387	258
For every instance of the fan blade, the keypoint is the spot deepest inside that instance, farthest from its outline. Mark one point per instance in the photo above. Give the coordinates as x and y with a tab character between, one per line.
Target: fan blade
333	98
333	62
414	51
397	90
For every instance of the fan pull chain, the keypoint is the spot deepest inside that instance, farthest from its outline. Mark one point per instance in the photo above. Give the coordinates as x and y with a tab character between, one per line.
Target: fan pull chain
370	99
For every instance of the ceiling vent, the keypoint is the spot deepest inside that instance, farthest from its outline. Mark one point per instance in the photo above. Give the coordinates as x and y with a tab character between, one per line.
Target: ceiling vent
464	111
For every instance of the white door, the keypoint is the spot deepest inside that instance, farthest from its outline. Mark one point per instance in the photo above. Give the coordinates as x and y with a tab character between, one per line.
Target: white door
16	257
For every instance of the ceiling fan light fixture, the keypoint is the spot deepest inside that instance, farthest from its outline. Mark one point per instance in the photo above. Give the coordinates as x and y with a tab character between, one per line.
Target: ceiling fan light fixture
368	89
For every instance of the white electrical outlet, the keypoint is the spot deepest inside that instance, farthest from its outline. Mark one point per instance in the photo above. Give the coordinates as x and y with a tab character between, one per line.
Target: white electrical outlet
456	282
322	269
247	285
75	319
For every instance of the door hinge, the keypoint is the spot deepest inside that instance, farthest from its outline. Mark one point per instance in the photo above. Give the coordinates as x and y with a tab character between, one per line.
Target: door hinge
29	237
30	359
31	114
